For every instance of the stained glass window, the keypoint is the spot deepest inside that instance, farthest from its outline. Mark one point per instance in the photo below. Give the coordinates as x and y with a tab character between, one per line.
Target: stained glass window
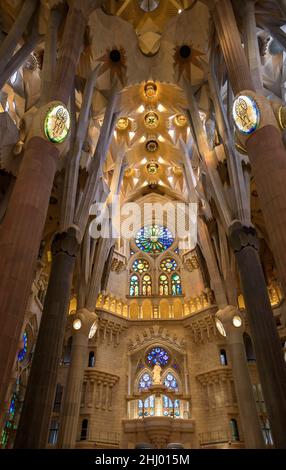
154	239
168	265
176	284
140	266
171	408
23	352
145	381
171	382
146	285
146	408
163	285
134	285
159	355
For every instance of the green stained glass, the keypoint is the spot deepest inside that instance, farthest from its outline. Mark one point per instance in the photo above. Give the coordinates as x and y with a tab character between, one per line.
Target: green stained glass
176	284
154	239
134	285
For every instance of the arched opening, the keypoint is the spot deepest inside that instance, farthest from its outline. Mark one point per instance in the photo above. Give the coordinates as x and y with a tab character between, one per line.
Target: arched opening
249	351
67	352
91	359
234	430
223	357
84	430
58	398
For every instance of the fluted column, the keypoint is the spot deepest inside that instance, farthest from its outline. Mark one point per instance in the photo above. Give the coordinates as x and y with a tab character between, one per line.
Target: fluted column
21	230
82	323
264	146
268	351
233	327
39	398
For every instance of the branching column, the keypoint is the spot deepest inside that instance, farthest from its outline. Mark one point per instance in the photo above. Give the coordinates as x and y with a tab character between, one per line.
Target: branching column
233	327
22	228
79	356
264	147
270	362
40	391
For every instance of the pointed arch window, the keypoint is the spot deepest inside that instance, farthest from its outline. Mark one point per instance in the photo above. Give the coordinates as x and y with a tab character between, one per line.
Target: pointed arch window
163	284
171	382
146	285
134	285
145	381
176	284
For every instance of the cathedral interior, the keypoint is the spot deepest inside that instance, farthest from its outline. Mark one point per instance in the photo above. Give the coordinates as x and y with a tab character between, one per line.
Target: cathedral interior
109	341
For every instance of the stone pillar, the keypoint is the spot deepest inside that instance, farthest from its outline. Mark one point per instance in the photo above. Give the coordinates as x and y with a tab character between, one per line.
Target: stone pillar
268	351
82	323
21	230
233	328
40	393
264	146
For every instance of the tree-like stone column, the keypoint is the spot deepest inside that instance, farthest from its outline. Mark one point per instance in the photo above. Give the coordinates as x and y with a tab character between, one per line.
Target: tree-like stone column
233	328
22	228
83	321
268	351
40	391
264	146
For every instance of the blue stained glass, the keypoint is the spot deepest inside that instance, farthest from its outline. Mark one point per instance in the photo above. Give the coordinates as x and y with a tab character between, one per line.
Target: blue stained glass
154	239
22	353
158	355
171	382
145	381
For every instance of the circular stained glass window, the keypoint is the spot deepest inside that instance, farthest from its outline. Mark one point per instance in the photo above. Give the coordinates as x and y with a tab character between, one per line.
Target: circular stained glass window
168	265
157	355
154	239
140	266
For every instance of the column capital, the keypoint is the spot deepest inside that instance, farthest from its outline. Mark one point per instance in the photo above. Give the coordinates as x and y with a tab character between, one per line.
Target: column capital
66	242
232	320
241	236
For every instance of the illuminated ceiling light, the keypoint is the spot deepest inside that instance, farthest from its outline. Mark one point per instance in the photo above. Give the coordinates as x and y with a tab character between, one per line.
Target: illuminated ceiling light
151	120
131	135
143	139
92	330
161	138
150	90
77	324
180	120
220	327
161	108
180	11
237	321
152	146
160	160
122	123
141	109
152	168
